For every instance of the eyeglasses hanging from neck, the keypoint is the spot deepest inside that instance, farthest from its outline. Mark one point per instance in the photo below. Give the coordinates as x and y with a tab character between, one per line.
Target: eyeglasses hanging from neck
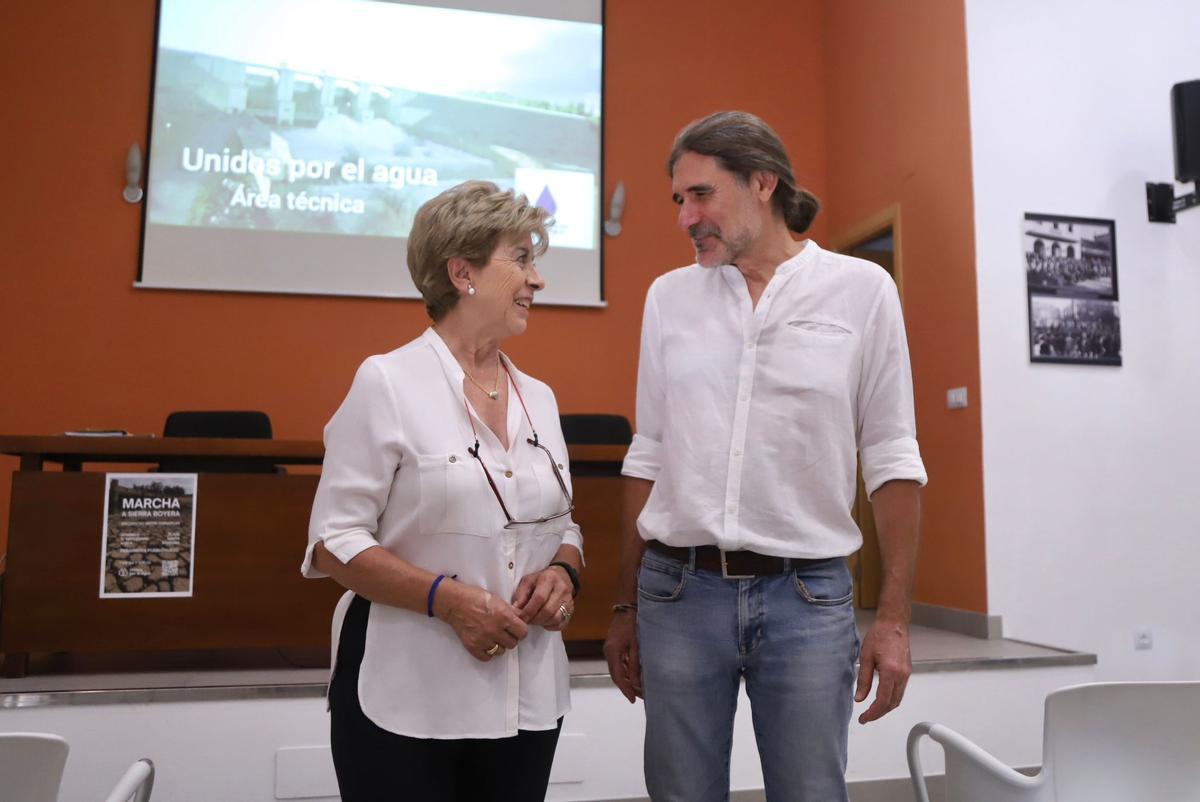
533	441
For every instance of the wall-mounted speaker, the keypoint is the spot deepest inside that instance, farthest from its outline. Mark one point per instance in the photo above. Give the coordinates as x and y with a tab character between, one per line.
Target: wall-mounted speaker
1185	113
1161	204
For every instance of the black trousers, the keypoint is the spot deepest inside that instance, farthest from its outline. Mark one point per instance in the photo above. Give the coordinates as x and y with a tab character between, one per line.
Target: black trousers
374	765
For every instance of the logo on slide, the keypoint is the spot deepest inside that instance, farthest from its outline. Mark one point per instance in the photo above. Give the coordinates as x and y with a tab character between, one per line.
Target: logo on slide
546	200
570	196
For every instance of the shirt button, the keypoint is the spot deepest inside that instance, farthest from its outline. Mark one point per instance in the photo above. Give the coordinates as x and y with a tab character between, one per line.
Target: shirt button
733	508
510	565
453	458
508	474
560	466
737	452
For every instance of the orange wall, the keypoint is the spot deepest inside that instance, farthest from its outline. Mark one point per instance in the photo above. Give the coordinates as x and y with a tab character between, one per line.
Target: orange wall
871	99
80	347
899	131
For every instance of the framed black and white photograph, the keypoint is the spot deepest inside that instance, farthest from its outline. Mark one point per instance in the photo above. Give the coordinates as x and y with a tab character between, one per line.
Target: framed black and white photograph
1079	330
1071	275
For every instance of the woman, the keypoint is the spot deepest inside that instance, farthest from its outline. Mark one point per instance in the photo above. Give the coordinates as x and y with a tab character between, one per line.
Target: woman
444	507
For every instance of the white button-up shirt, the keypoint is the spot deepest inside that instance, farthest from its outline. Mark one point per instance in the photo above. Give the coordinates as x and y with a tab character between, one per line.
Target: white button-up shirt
749	419
397	474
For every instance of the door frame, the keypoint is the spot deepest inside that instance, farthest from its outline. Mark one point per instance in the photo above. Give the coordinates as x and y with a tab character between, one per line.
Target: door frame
869	229
866	564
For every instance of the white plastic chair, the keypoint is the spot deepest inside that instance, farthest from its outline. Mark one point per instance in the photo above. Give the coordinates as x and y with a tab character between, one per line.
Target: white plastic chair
135	784
31	770
31	766
1105	742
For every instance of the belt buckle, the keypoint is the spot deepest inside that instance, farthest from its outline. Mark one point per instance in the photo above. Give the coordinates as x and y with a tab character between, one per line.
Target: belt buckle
725	569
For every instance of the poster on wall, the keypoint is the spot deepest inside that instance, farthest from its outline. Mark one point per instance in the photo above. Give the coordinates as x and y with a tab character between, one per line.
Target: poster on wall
149	541
1071	275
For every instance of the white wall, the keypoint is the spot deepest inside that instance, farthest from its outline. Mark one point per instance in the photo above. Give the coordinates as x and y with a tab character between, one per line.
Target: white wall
1092	510
228	751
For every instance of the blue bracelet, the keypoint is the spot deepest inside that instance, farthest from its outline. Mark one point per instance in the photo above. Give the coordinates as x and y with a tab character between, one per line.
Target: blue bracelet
433	590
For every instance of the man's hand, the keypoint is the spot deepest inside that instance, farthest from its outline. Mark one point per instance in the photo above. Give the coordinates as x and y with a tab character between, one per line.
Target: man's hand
621	651
897	506
621	646
884	650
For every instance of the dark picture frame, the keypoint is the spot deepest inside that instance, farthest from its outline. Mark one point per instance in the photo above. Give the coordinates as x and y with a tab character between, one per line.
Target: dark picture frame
1071	284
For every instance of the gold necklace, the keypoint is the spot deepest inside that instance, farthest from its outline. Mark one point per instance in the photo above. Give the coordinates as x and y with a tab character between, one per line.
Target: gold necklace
493	393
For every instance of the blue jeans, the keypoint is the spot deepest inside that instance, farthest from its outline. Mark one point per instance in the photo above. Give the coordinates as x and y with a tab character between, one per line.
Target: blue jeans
791	636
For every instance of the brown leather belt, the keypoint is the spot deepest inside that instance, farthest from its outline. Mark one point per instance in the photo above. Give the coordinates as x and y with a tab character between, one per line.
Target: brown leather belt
730	564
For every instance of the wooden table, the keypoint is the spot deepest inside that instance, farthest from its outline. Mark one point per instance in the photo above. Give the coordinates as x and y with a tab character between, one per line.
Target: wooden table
252	528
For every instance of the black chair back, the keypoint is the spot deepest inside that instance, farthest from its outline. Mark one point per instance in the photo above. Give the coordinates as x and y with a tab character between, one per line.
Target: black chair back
596	430
217	424
253	425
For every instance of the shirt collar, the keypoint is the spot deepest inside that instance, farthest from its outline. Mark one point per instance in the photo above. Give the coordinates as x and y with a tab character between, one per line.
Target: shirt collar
453	370
807	254
805	257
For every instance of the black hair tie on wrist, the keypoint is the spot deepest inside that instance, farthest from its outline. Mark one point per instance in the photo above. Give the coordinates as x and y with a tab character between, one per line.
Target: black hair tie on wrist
572	574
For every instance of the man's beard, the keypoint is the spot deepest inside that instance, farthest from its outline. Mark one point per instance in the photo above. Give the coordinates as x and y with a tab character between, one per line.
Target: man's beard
710	254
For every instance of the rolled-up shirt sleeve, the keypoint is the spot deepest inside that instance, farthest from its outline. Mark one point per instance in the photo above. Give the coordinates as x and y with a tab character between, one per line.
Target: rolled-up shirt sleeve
362	454
573	537
886	425
644	458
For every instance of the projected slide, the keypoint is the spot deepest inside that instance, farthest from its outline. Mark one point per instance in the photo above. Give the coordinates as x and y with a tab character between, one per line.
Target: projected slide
293	141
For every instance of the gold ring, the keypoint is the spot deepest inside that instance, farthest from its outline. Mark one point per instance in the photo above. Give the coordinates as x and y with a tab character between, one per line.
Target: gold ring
492	652
566	614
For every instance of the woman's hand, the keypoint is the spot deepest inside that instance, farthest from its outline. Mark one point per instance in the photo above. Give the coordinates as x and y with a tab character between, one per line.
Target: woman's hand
546	599
486	625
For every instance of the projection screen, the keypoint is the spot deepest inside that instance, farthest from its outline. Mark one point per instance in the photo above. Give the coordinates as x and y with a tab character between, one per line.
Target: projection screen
292	141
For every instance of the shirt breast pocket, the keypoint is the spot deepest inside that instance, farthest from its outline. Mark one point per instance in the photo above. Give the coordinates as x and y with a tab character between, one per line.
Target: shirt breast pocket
829	330
455	496
817	356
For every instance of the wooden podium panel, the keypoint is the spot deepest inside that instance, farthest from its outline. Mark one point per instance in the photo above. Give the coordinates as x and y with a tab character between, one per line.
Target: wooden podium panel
251	531
598	513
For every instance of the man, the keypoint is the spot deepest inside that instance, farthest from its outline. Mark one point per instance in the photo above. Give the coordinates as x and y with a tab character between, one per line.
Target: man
766	369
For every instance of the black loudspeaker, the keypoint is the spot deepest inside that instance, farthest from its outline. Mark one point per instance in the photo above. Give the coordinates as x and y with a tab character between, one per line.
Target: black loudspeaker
1185	113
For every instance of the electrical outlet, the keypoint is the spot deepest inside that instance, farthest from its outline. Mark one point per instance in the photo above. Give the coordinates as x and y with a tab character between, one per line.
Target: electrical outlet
1143	639
956	398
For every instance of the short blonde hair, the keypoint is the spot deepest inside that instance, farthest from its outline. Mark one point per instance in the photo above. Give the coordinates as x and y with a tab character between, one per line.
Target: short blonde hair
467	221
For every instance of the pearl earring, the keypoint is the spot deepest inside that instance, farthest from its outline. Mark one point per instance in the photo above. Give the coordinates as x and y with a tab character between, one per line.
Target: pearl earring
470	289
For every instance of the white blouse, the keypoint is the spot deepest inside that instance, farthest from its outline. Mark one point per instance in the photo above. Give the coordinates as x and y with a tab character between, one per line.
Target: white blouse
749	419
397	474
